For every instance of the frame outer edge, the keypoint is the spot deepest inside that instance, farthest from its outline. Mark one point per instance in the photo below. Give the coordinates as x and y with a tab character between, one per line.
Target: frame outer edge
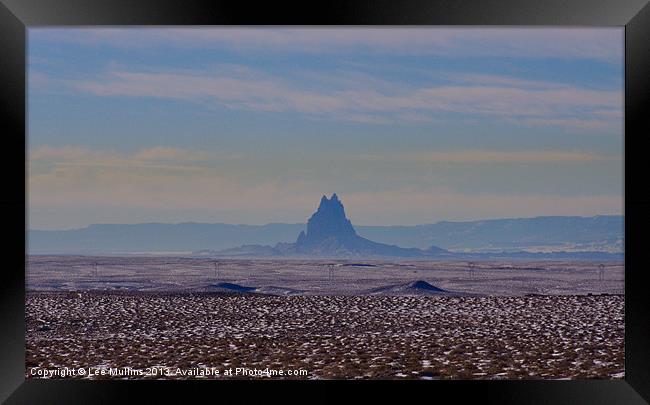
637	201
12	199
15	14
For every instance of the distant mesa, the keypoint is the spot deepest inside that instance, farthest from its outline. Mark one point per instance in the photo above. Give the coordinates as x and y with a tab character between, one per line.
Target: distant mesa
596	238
246	250
331	234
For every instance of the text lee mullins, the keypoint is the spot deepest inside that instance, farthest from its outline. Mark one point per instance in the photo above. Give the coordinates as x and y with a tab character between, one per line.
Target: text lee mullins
162	372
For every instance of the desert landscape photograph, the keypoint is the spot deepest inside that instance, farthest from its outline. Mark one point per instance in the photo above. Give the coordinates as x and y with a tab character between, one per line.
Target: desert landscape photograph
325	203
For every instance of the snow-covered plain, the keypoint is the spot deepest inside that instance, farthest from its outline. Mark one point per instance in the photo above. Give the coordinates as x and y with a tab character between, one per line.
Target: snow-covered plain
335	319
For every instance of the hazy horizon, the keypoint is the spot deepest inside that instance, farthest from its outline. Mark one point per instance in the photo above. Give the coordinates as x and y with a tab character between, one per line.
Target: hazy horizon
408	126
304	222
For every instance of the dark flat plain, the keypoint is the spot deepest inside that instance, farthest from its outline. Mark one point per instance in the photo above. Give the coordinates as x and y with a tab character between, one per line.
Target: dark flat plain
319	277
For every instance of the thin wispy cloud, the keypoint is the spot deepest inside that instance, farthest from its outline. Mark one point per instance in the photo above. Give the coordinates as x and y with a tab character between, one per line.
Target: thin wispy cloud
576	123
492	157
159	156
519	101
598	44
166	153
71	153
56	160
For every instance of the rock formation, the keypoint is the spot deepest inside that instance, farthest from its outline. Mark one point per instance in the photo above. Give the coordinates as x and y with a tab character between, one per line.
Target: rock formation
331	234
328	221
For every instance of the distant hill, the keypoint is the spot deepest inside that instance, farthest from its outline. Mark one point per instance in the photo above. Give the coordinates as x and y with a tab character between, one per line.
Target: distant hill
540	234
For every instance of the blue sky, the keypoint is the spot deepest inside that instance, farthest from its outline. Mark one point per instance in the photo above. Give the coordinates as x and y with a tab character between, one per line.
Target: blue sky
253	125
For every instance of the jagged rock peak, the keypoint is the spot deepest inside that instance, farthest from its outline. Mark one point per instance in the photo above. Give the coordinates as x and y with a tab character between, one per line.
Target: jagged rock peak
331	202
323	201
329	220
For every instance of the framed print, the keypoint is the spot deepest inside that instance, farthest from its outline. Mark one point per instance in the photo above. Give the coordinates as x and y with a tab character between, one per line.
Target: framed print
395	199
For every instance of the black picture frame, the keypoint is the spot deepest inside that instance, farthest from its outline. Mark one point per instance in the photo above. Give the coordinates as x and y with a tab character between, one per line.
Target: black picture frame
18	15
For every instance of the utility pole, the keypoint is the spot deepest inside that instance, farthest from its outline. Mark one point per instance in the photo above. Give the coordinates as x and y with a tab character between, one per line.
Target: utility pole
471	266
601	272
95	269
216	270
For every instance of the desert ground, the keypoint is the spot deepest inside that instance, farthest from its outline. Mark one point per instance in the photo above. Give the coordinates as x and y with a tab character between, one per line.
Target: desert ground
320	277
328	319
